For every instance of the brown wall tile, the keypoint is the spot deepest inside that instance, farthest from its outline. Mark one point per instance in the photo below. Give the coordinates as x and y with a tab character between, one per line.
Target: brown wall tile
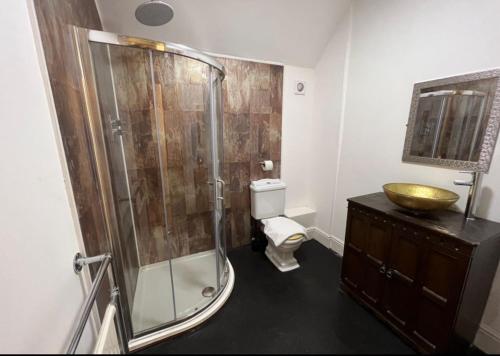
252	99
55	18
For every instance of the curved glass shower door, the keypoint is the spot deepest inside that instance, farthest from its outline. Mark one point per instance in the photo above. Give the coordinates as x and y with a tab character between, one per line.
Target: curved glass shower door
162	126
218	142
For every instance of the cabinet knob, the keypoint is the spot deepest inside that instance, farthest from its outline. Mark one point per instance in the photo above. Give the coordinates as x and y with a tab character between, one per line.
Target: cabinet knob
389	274
382	269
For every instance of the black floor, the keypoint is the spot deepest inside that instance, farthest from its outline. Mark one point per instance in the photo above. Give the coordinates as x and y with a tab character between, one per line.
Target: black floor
295	312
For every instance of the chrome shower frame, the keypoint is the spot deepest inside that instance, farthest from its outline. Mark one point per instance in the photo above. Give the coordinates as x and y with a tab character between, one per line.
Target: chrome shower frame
159	46
95	131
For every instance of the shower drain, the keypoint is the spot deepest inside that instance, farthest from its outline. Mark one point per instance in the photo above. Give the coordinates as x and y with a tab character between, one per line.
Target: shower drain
208	292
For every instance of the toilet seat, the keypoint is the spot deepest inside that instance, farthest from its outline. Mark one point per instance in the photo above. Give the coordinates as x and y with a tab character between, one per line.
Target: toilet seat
295	239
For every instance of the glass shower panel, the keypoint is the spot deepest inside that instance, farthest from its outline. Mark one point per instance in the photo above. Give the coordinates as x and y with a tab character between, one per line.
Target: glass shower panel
126	95
219	166
117	168
183	112
162	127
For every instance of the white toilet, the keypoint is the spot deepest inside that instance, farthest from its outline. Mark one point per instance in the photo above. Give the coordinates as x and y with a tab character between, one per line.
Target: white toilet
284	235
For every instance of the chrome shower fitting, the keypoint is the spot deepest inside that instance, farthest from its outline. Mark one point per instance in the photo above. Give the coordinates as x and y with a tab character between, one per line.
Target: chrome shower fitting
154	13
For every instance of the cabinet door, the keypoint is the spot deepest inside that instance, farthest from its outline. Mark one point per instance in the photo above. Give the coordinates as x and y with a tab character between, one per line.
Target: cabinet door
376	253
402	269
352	261
440	283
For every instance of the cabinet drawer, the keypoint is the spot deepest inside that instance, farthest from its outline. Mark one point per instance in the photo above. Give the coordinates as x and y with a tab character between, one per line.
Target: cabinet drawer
449	244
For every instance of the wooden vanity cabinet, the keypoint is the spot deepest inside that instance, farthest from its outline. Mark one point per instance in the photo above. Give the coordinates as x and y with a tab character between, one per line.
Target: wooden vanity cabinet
427	276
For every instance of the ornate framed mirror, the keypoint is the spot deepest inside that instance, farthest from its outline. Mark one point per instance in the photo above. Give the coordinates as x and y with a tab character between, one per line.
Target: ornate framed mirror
454	122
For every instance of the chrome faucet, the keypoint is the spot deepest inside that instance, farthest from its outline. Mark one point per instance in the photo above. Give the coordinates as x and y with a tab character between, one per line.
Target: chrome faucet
473	185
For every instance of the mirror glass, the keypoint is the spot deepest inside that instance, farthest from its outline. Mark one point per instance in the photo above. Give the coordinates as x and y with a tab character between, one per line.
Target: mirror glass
450	120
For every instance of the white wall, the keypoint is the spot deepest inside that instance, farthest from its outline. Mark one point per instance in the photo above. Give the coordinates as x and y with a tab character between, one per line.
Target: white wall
286	31
296	136
296	131
394	44
326	126
41	295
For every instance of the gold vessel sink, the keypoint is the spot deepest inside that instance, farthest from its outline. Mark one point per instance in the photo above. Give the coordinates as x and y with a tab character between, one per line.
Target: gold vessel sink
419	197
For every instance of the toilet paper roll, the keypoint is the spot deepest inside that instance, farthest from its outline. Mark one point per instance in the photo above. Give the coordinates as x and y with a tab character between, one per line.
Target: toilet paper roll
267	165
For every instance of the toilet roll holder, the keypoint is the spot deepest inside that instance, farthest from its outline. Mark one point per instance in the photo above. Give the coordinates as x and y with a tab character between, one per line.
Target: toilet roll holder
263	165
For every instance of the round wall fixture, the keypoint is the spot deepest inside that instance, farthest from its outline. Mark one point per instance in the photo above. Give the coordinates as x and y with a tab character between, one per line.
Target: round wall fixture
154	13
300	87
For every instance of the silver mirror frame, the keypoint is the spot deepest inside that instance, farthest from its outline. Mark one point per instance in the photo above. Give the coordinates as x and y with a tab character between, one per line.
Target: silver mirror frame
490	136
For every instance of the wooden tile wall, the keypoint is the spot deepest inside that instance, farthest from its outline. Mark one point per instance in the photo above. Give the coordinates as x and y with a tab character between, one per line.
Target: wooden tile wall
171	133
252	99
252	95
54	20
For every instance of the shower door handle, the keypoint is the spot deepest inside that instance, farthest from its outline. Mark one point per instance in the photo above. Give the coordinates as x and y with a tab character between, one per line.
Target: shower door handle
223	186
222	183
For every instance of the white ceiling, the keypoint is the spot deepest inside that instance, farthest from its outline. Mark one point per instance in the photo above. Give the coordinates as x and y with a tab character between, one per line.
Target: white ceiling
286	31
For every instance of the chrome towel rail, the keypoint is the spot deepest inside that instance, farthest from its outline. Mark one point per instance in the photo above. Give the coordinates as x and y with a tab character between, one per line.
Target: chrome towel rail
105	261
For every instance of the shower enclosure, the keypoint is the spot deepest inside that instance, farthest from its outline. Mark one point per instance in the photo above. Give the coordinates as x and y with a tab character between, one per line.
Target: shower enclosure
154	121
